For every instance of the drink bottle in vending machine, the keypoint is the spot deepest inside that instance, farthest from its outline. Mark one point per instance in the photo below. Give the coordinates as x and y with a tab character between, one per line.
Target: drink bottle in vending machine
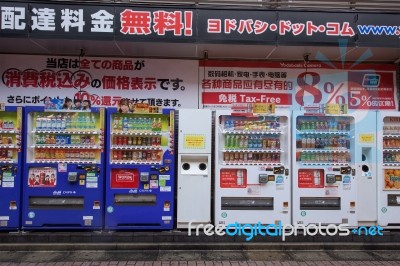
63	173
10	167
252	168
140	169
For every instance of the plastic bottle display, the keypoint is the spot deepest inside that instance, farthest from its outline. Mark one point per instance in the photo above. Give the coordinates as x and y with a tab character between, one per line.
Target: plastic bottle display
137	141
62	139
68	122
251	157
137	155
254	137
324	141
327	126
249	125
65	154
146	143
251	142
391	130
71	129
7	124
136	123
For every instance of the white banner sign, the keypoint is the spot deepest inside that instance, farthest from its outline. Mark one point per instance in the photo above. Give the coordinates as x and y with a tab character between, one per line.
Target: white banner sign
28	80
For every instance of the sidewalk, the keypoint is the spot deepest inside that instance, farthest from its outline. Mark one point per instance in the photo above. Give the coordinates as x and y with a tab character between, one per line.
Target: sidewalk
198	258
210	263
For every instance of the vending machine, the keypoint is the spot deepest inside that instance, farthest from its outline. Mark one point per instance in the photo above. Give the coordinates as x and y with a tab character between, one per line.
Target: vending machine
331	154
252	167
194	167
63	173
10	167
389	169
140	169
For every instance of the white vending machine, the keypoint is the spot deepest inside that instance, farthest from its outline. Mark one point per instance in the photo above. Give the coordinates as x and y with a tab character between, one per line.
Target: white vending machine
252	168
194	167
389	169
334	168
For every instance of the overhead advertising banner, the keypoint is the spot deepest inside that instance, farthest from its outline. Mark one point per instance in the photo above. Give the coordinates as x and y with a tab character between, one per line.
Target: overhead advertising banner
363	86
378	30
13	19
237	25
316	27
71	21
97	21
28	80
202	25
155	24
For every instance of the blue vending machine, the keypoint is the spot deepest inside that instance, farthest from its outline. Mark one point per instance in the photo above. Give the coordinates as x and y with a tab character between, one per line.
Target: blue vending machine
10	167
140	169
63	185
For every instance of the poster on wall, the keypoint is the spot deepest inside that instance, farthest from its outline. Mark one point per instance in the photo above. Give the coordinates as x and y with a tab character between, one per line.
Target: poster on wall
294	84
32	80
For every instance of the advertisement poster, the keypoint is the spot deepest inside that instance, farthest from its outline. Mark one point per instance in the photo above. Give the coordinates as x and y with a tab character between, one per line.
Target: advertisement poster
296	84
42	177
28	80
392	179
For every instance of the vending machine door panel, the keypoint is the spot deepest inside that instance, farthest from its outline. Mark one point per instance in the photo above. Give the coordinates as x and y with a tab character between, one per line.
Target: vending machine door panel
63	174
388	169
252	168
11	129
140	171
324	182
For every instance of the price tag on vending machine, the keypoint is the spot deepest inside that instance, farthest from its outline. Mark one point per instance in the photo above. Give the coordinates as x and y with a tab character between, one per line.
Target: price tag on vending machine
263	108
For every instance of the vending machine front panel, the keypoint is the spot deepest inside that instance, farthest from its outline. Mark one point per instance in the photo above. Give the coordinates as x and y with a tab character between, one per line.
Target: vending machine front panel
389	169
140	170
252	167
324	185
10	166
63	177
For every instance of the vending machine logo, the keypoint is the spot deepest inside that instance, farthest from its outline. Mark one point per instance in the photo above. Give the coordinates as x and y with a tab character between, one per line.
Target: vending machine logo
125	178
371	80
